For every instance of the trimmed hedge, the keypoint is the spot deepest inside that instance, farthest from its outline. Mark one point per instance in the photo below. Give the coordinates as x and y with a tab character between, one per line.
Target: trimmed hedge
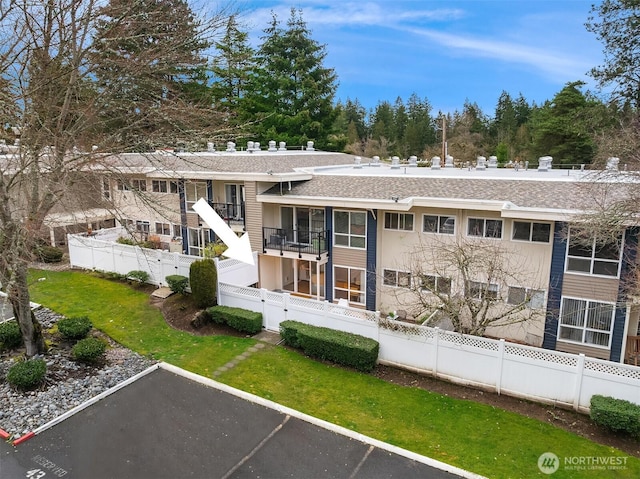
27	374
10	334
75	328
89	350
178	283
49	254
203	278
138	276
616	414
340	347
239	319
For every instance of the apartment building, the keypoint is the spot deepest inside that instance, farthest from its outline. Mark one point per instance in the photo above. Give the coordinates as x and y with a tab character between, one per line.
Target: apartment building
337	228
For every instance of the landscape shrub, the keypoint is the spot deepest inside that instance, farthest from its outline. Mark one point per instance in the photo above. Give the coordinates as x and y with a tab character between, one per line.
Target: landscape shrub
616	414
74	328
239	319
203	280
49	254
138	276
88	350
178	283
10	335
126	241
340	347
27	374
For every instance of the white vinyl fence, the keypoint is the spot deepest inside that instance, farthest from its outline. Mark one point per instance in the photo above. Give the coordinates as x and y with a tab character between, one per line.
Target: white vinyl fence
522	371
102	253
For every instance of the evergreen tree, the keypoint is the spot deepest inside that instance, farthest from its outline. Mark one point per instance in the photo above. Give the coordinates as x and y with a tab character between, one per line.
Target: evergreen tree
232	68
148	56
292	91
561	127
420	132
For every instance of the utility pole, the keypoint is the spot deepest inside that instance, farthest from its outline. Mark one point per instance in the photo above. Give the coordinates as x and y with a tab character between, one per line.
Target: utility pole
444	138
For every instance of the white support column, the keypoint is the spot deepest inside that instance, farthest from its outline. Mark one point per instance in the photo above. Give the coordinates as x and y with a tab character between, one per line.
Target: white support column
500	365
579	375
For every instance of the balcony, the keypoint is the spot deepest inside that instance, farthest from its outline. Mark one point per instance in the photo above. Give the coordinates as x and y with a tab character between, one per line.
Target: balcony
231	213
282	240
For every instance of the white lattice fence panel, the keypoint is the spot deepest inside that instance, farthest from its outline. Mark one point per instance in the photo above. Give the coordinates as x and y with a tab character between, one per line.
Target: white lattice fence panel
471	341
541	355
621	370
306	303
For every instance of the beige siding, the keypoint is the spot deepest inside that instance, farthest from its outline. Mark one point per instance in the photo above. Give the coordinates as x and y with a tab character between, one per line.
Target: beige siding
590	287
356	258
270	271
253	216
586	350
193	220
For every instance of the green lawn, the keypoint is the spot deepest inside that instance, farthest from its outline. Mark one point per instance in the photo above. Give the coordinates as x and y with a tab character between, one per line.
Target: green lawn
472	436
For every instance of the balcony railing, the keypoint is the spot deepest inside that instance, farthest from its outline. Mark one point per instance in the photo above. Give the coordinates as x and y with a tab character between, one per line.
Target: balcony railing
296	241
231	213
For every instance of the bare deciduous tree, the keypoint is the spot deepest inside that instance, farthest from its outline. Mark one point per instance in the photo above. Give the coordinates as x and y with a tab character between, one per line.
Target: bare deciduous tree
473	284
48	91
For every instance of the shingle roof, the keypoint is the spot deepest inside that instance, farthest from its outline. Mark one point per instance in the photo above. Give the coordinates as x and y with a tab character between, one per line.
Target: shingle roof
557	195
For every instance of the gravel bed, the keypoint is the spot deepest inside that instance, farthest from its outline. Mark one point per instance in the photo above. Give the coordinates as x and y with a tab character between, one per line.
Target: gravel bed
67	383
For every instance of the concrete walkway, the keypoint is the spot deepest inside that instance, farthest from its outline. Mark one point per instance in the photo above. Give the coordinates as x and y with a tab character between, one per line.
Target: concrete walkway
265	337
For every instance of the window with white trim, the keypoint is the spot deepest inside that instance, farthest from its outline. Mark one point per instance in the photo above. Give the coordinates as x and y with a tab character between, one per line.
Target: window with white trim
177	231
480	290
586	322
139	185
398	221
142	226
193	191
531	231
531	298
159	186
122	185
444	225
163	229
349	284
401	279
350	229
484	228
435	284
173	187
106	188
588	256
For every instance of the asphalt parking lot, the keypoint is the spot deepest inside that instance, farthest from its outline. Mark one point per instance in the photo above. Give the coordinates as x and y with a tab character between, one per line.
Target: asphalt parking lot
169	425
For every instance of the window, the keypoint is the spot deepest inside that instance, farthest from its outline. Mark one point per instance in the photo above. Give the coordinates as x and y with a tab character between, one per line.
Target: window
349	284
435	284
586	255
478	290
173	186
586	322
177	231
122	185
106	189
529	231
159	186
532	298
398	221
350	229
163	229
444	225
484	228
139	185
194	190
142	226
396	278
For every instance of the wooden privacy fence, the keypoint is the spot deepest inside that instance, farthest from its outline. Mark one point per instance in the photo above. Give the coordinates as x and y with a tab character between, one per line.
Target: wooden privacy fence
537	374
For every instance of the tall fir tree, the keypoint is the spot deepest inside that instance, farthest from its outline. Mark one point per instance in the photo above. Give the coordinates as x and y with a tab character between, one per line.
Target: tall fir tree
232	67
292	91
149	54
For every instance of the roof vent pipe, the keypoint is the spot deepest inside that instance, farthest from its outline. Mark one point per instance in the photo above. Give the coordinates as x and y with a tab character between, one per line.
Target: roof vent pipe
250	146
272	146
283	146
211	146
310	146
357	162
435	163
395	163
544	163
375	161
231	147
481	163
413	160
493	162
448	161
612	163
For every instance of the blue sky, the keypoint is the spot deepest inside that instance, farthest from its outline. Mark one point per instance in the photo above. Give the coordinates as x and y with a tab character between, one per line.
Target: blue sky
446	51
